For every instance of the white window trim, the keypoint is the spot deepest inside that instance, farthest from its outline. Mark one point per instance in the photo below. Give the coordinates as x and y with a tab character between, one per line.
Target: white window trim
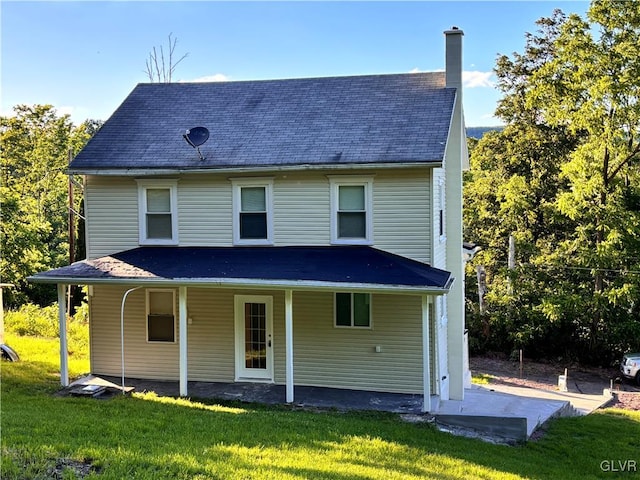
238	184
337	181
352	326
143	185
146	317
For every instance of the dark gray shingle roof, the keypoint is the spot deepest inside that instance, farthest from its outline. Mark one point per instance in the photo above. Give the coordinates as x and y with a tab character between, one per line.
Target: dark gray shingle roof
396	118
333	266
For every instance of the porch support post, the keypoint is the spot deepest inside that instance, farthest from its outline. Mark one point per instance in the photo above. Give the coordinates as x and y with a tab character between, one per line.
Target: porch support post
182	313
62	320
426	357
288	333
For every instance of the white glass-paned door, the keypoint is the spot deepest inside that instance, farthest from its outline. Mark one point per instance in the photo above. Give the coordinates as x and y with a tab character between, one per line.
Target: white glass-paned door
254	349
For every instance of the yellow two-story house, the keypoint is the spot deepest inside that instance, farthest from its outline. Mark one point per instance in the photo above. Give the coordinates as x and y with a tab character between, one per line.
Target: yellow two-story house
301	232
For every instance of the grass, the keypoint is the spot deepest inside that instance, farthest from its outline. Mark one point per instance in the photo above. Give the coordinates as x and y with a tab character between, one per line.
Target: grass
149	437
481	378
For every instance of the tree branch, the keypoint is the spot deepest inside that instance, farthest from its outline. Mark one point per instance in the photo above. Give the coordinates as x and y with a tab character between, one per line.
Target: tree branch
624	162
157	67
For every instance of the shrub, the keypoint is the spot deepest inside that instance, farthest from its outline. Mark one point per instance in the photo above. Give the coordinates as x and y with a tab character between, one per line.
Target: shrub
33	320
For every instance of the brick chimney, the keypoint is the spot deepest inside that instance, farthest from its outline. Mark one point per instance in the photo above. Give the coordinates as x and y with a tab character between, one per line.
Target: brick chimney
453	58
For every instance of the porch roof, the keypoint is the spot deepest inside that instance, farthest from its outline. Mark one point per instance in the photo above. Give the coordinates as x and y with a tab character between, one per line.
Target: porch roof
315	267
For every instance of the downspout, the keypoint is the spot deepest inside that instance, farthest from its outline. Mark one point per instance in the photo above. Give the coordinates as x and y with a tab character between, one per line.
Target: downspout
124	299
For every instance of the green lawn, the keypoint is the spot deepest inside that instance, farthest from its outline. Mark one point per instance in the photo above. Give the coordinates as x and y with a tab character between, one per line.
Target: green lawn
145	436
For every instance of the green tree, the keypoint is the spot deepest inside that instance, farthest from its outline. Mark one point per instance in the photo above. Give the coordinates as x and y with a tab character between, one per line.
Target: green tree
36	144
563	177
511	189
592	86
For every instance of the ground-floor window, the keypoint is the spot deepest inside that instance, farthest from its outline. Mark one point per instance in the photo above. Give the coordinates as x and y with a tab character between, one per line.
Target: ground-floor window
161	324
353	310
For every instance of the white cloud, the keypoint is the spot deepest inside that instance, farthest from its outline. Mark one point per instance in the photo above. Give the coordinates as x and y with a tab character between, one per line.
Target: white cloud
67	110
417	70
470	78
217	77
474	79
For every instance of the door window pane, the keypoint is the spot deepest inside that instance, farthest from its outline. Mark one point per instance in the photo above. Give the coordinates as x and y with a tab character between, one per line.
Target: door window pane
255	335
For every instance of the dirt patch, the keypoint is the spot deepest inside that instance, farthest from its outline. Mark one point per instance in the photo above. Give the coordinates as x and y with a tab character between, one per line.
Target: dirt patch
66	466
625	401
544	376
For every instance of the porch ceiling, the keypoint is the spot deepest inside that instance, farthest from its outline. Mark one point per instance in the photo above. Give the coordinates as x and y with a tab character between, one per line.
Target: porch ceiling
316	267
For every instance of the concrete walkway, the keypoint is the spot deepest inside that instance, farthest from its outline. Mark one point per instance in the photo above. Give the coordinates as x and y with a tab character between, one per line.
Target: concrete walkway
583	403
513	413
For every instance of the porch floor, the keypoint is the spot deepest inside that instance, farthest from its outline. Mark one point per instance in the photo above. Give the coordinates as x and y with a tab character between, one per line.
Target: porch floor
267	393
504	413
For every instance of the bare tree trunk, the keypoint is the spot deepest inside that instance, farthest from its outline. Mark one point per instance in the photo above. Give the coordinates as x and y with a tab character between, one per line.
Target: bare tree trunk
158	70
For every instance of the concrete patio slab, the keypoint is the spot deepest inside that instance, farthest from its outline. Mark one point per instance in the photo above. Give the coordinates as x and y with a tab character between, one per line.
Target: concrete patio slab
583	403
499	410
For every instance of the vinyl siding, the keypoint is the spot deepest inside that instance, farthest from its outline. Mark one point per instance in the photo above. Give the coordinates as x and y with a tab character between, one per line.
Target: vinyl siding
323	355
142	359
211	341
346	358
111	210
402	213
302	214
301	211
205	211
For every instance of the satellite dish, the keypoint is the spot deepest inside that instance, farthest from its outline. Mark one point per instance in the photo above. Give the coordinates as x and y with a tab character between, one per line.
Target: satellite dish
195	137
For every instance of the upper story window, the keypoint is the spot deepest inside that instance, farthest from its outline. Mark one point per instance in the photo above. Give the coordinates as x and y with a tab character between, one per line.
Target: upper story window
158	212
351	210
252	211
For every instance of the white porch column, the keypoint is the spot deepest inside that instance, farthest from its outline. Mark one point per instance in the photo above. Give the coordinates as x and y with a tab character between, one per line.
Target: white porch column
426	356
288	333
62	320
182	313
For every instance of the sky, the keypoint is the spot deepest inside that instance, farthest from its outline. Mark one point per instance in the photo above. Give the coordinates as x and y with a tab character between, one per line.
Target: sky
84	57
